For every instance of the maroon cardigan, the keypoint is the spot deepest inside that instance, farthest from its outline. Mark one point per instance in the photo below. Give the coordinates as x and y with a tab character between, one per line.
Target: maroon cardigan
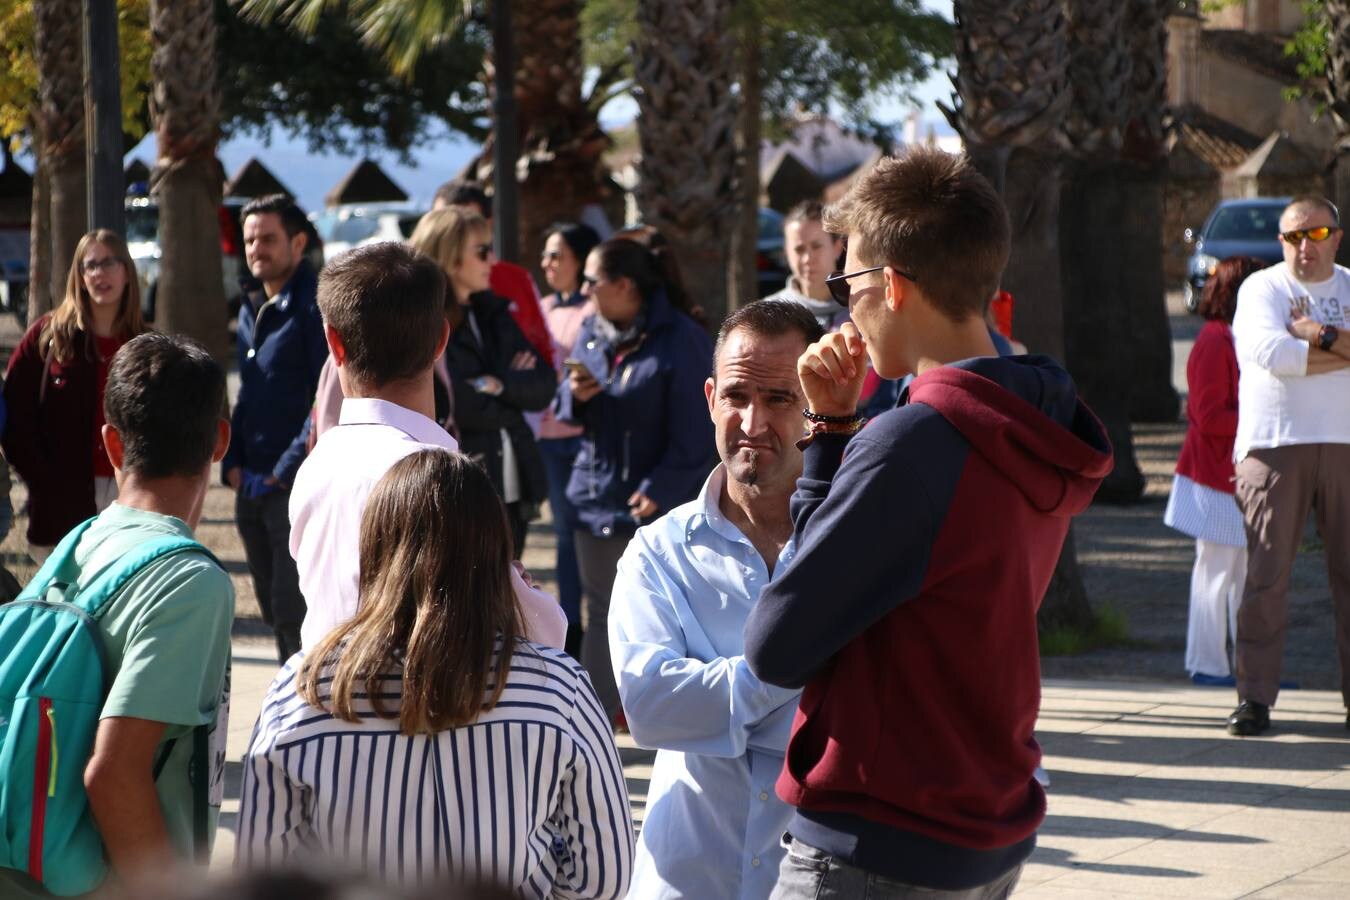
1211	409
51	444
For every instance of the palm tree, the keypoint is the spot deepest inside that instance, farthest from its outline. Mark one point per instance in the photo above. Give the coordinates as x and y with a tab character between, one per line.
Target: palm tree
558	132
1093	210
1012	94
1334	18
685	65
187	179
1152	398
58	44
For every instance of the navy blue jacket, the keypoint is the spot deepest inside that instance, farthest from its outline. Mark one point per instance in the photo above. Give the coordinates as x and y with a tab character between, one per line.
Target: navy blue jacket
648	429
281	350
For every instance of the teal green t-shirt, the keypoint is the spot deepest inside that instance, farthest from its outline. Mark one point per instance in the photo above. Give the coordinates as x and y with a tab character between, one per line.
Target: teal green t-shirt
167	637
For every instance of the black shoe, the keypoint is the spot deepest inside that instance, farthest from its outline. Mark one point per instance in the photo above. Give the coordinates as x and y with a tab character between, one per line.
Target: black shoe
1250	718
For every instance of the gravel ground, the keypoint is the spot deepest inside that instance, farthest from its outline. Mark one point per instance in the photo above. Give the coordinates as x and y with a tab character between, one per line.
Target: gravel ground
1130	561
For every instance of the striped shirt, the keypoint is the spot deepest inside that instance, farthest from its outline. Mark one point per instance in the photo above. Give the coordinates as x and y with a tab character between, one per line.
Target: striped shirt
531	795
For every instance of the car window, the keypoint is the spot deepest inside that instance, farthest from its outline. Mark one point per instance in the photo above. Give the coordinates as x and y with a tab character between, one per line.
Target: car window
142	223
353	229
325	225
770	225
1245	223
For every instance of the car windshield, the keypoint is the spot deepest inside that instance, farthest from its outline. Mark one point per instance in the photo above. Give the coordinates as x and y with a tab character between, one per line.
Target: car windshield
1245	223
142	223
770	225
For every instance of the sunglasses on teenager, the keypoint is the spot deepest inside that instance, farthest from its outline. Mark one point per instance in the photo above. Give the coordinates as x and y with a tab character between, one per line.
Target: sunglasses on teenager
839	287
1316	235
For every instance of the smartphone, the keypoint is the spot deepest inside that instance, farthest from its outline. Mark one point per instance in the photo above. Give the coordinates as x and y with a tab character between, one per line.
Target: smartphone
576	365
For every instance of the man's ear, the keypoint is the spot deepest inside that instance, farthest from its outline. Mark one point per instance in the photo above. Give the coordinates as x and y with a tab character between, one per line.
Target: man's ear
709	390
445	337
897	289
335	346
298	243
222	440
112	442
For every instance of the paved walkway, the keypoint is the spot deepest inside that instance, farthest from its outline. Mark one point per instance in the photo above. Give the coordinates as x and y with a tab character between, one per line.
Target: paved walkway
1148	797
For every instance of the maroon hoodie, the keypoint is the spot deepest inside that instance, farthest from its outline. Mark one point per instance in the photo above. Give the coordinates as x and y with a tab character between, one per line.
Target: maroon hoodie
924	547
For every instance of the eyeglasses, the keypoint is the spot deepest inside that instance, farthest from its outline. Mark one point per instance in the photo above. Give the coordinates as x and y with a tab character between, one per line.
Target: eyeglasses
107	264
838	282
550	255
483	251
1316	235
589	281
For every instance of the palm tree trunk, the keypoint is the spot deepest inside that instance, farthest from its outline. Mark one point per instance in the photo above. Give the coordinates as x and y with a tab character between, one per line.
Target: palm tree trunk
1336	18
39	239
187	179
1093	210
685	64
1012	94
1152	398
58	44
744	274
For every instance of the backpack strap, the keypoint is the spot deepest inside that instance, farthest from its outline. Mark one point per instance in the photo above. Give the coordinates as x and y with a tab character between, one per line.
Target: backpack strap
60	566
94	597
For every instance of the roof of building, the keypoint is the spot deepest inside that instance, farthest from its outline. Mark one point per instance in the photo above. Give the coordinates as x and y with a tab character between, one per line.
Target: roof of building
255	180
1214	141
1260	51
1278	156
366	183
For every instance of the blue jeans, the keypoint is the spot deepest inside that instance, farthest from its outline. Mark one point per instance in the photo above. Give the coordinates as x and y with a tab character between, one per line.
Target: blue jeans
810	874
559	454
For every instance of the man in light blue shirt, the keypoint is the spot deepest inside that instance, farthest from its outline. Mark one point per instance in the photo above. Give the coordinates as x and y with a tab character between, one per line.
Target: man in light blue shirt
683	591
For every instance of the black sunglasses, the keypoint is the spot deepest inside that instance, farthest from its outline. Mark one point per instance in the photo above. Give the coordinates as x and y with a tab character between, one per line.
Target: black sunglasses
838	282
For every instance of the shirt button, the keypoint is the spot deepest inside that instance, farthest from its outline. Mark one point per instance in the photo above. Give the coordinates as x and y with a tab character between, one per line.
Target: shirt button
755	861
252	353
764	795
605	531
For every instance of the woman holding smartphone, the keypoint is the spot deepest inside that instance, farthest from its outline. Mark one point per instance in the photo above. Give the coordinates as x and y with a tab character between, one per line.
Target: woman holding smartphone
636	387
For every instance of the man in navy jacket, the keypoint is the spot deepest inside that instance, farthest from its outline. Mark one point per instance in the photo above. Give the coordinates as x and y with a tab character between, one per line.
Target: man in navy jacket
925	543
281	351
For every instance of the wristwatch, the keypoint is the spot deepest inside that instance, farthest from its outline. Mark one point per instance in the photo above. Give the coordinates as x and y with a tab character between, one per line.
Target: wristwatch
1326	338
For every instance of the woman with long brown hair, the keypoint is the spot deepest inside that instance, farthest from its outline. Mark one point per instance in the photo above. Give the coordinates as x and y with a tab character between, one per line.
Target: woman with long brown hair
426	738
54	391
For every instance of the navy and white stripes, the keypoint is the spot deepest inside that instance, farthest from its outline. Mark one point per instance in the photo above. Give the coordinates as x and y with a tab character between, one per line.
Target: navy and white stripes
531	795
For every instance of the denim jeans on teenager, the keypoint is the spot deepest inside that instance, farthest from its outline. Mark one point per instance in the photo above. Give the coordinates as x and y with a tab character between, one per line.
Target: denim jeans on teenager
810	874
559	454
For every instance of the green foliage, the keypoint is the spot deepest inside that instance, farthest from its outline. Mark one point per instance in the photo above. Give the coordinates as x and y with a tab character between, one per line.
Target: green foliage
19	75
1309	47
330	86
1109	630
814	55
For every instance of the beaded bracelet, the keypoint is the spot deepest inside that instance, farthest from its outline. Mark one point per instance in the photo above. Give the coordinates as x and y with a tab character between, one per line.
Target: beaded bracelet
833	420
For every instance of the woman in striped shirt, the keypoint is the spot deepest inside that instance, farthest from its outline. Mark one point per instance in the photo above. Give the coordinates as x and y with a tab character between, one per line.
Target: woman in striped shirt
426	739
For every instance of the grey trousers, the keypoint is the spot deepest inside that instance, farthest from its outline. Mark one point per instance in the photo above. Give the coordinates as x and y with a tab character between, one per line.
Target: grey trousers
597	564
1275	489
810	874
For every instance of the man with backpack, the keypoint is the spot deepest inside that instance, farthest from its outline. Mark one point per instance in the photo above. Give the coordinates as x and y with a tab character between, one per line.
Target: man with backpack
114	661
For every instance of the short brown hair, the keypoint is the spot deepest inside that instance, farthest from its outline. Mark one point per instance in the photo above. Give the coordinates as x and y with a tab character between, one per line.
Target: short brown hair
386	302
933	215
1316	201
436	601
769	318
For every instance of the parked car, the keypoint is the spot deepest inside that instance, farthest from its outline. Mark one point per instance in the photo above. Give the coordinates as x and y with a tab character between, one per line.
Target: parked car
1247	227
770	256
142	216
345	227
14	250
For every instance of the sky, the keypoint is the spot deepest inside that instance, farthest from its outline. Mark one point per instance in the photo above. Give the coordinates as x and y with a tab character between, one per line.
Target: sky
443	154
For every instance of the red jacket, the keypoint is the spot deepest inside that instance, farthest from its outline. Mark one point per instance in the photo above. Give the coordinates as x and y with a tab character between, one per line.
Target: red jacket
1211	409
51	444
515	284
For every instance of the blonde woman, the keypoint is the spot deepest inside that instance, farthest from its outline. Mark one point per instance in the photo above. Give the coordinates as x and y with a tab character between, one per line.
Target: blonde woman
426	739
54	391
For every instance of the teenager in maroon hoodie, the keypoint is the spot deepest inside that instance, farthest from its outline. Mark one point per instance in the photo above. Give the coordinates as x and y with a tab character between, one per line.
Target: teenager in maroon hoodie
925	544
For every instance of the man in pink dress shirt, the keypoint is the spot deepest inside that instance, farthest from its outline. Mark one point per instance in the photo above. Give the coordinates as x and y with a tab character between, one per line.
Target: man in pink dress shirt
383	308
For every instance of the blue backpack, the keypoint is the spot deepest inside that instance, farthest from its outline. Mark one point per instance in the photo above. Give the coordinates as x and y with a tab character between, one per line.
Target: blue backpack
53	681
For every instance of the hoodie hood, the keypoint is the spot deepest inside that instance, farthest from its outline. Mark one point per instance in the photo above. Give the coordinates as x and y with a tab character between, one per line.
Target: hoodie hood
1023	415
